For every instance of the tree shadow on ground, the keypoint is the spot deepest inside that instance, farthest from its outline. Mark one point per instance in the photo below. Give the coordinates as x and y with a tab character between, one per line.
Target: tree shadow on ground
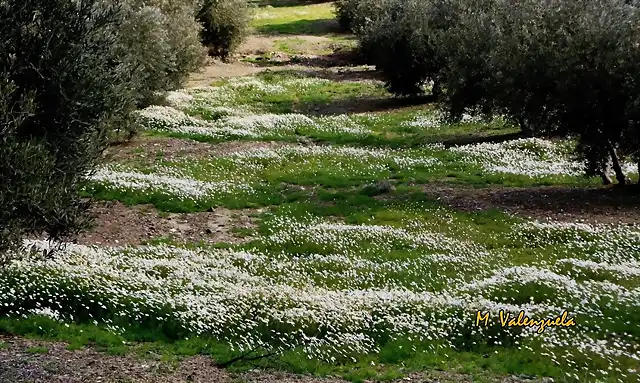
341	58
360	105
595	205
346	74
318	27
474	139
562	203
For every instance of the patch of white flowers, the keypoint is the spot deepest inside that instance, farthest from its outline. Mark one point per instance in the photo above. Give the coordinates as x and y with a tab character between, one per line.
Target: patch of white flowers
342	123
604	244
425	121
177	186
533	157
242	172
342	161
529	156
335	302
232	124
436	119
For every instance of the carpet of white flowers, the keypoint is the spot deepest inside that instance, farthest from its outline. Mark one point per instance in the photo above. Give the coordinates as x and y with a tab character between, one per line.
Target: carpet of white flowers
328	288
230	116
232	111
331	289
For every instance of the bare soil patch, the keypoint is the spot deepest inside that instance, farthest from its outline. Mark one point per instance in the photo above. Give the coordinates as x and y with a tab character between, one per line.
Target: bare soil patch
333	67
117	225
607	205
216	69
144	147
54	363
18	363
259	53
229	147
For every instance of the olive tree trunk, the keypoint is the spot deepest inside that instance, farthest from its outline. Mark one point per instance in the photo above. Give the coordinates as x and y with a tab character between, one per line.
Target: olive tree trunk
622	179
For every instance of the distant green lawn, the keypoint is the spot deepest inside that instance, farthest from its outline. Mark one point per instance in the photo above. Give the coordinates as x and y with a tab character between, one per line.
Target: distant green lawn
315	19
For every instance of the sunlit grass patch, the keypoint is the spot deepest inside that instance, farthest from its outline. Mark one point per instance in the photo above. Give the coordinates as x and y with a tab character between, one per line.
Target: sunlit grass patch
303	19
256	174
306	46
282	91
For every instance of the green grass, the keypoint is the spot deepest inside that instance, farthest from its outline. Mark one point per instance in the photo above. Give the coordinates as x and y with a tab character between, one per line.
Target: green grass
297	99
493	231
402	132
277	181
314	19
37	350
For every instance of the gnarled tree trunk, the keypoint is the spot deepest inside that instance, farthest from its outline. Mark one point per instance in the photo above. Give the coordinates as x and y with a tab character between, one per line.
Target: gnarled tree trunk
622	179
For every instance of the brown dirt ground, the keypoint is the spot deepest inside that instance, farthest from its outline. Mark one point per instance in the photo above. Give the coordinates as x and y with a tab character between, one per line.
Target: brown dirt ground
310	54
114	223
25	360
330	67
216	69
18	363
594	205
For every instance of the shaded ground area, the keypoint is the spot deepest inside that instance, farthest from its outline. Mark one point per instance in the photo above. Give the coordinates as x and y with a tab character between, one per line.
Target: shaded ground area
595	205
360	105
118	225
311	27
24	360
294	51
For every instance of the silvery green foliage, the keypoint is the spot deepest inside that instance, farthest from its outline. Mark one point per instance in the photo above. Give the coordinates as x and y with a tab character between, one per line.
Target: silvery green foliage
225	25
557	67
63	90
160	41
399	37
346	12
353	15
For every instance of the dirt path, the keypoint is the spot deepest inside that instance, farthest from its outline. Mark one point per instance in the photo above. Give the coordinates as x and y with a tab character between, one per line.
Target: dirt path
37	361
592	205
304	53
23	360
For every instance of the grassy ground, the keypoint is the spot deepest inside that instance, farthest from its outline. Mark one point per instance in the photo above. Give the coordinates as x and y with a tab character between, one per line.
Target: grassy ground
374	249
314	19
